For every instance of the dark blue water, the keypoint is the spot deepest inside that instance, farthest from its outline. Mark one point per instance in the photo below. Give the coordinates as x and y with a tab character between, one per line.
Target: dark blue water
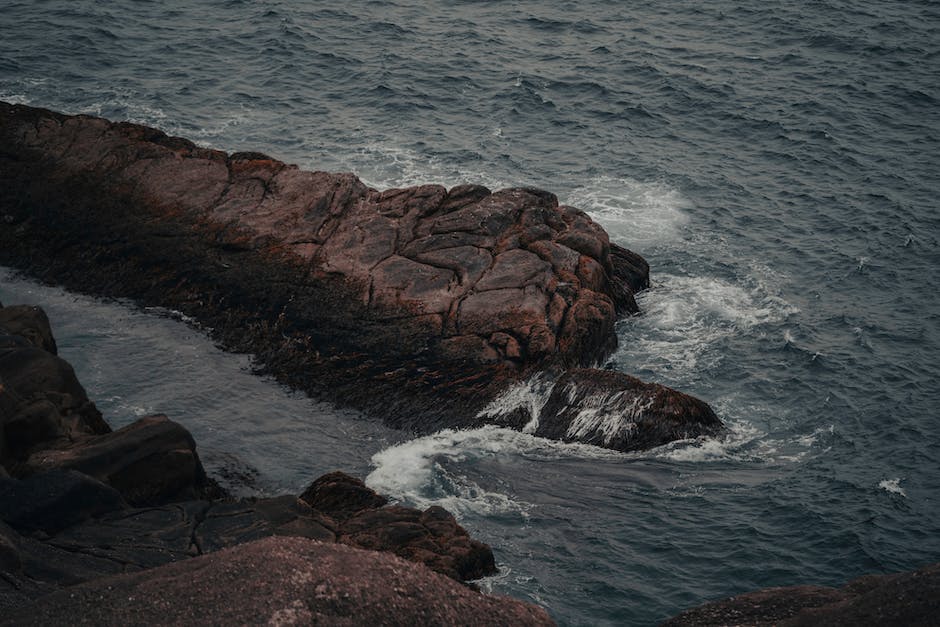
778	167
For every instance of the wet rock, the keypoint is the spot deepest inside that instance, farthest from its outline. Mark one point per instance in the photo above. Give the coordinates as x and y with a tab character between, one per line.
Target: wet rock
340	496
10	560
52	501
911	598
614	410
42	404
150	462
28	322
279	581
432	538
431	300
228	524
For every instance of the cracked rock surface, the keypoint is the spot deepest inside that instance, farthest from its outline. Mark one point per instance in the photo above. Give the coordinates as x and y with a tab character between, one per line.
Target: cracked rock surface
416	305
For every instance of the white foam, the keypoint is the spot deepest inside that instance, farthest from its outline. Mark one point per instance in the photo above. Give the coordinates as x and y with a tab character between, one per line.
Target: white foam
893	486
744	442
15	98
730	446
635	213
604	414
686	318
385	166
415	471
531	395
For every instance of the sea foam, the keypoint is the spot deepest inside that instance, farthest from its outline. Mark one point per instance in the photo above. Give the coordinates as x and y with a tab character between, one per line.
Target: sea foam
634	213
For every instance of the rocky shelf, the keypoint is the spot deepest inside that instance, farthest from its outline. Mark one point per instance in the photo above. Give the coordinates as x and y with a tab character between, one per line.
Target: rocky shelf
84	510
421	306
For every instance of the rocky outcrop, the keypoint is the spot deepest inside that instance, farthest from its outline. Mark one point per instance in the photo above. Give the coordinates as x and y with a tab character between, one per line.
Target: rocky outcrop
279	581
150	462
42	404
911	599
82	506
66	527
87	490
418	305
48	423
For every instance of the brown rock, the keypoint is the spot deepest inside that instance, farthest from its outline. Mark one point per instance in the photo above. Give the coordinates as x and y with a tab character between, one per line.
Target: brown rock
279	581
432	538
340	496
614	410
911	598
30	323
335	287
150	461
42	403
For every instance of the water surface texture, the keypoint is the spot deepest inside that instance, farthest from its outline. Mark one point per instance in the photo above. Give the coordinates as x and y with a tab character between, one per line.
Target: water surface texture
777	165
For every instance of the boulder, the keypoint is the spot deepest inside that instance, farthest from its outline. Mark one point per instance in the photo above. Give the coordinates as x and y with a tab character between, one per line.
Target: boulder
614	410
150	462
55	500
602	407
29	322
911	599
278	581
432	538
340	496
42	404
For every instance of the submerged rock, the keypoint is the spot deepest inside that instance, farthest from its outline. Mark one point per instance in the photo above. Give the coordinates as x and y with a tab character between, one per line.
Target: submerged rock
910	599
279	581
418	305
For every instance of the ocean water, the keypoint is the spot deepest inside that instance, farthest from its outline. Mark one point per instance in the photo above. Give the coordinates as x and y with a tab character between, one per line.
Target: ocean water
778	166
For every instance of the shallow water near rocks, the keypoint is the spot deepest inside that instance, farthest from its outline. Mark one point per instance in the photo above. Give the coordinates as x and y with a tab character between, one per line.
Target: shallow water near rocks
777	166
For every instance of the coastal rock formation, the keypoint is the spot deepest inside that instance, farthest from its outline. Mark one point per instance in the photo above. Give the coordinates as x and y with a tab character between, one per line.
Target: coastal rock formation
85	506
48	423
42	404
279	581
911	599
150	462
418	305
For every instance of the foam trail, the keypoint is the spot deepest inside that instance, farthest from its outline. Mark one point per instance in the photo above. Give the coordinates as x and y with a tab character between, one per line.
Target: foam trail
685	319
529	395
418	472
634	213
893	486
383	166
